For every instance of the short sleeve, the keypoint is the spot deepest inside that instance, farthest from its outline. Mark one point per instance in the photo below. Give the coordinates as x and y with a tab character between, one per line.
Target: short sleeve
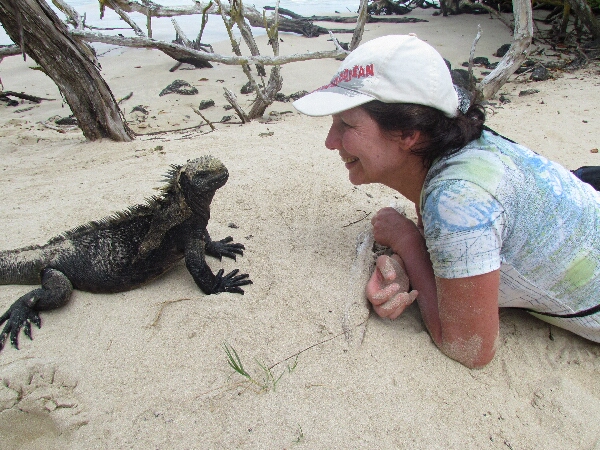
463	226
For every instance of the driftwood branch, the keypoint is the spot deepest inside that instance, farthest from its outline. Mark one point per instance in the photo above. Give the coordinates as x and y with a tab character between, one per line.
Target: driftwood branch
234	43
73	16
255	18
183	40
582	10
234	14
180	35
197	111
230	96
186	52
78	22
360	25
10	50
21	95
232	99
203	25
246	32
472	55
123	15
178	50
55	128
337	43
517	53
266	96
347	19
491	10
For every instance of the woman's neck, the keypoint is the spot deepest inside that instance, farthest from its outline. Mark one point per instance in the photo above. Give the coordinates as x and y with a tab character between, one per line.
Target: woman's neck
409	181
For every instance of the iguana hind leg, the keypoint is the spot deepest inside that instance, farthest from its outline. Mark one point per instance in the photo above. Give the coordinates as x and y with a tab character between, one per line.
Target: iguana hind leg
55	292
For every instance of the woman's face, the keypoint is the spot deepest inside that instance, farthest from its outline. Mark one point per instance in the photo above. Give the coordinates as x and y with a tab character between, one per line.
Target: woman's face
369	155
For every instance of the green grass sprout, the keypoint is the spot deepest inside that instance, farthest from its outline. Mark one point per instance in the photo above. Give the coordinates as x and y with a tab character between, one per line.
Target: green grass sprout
234	361
269	379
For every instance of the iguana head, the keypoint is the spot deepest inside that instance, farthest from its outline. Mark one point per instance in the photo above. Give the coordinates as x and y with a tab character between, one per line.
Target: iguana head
203	174
198	180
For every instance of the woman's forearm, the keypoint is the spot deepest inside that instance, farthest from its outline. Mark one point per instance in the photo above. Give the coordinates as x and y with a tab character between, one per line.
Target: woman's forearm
410	246
460	314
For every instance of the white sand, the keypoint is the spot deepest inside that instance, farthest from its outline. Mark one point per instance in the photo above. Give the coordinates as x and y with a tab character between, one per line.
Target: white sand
122	371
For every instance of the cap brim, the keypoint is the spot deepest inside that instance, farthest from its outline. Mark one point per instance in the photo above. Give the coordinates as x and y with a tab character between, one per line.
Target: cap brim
329	101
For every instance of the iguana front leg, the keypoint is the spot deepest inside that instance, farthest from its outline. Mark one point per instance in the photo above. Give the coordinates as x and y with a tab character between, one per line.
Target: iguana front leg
224	247
55	292
195	261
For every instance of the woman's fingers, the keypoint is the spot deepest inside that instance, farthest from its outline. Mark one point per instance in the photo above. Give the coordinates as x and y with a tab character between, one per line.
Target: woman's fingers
396	305
385	294
387	288
388	267
378	290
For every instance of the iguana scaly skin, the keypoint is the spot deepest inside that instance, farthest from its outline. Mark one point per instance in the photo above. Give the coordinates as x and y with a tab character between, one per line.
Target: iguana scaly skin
125	250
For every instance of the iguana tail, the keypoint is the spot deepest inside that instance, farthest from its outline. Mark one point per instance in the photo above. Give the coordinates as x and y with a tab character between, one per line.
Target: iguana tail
24	265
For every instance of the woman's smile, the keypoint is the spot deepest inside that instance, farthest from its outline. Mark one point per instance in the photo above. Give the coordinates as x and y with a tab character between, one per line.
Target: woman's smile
349	160
369	154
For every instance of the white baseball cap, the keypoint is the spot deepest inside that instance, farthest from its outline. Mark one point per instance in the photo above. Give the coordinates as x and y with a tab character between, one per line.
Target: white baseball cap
391	69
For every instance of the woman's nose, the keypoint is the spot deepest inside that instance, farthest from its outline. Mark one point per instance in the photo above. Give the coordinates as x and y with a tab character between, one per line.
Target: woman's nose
332	142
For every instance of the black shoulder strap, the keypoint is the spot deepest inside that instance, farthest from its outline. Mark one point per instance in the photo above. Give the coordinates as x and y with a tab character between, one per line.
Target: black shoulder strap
495	133
584	313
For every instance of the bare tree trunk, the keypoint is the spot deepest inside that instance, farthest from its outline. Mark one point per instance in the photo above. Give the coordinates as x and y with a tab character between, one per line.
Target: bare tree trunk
69	62
582	9
516	54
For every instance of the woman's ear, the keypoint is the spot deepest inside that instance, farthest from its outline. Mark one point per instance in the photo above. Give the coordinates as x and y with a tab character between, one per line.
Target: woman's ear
409	138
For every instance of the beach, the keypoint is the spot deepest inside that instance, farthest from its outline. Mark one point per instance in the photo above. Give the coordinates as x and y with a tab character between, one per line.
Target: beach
148	368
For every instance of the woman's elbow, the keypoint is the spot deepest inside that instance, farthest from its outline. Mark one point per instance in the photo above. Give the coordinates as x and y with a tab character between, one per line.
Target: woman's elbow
473	352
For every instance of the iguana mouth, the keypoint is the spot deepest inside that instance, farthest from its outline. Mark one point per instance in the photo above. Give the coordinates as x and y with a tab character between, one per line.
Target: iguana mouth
216	181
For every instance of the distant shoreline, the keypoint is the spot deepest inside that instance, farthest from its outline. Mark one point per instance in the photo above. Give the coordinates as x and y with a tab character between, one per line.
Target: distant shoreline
163	29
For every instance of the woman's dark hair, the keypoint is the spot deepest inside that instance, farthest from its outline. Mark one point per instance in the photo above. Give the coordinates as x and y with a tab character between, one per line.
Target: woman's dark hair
443	135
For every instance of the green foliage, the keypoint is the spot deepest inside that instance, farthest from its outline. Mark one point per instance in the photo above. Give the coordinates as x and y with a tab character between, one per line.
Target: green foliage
299	436
235	362
269	378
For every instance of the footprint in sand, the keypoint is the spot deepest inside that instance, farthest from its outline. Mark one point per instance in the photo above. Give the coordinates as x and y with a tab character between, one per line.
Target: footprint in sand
38	405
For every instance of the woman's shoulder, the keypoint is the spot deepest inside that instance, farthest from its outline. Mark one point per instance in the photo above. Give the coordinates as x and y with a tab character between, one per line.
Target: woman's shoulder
482	162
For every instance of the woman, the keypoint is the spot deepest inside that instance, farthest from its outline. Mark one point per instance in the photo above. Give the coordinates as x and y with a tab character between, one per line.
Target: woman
498	224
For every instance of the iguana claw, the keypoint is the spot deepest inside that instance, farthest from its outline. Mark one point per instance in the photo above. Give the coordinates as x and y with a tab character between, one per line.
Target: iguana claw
224	247
230	282
18	316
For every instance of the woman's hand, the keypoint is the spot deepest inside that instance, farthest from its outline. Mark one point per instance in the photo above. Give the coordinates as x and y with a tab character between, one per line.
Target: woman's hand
390	228
388	286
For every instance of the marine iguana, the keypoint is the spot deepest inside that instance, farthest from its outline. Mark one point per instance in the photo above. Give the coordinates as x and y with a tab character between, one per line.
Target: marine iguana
125	250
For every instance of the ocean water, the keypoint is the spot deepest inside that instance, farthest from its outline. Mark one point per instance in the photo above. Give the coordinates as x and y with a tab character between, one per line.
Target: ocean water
162	28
